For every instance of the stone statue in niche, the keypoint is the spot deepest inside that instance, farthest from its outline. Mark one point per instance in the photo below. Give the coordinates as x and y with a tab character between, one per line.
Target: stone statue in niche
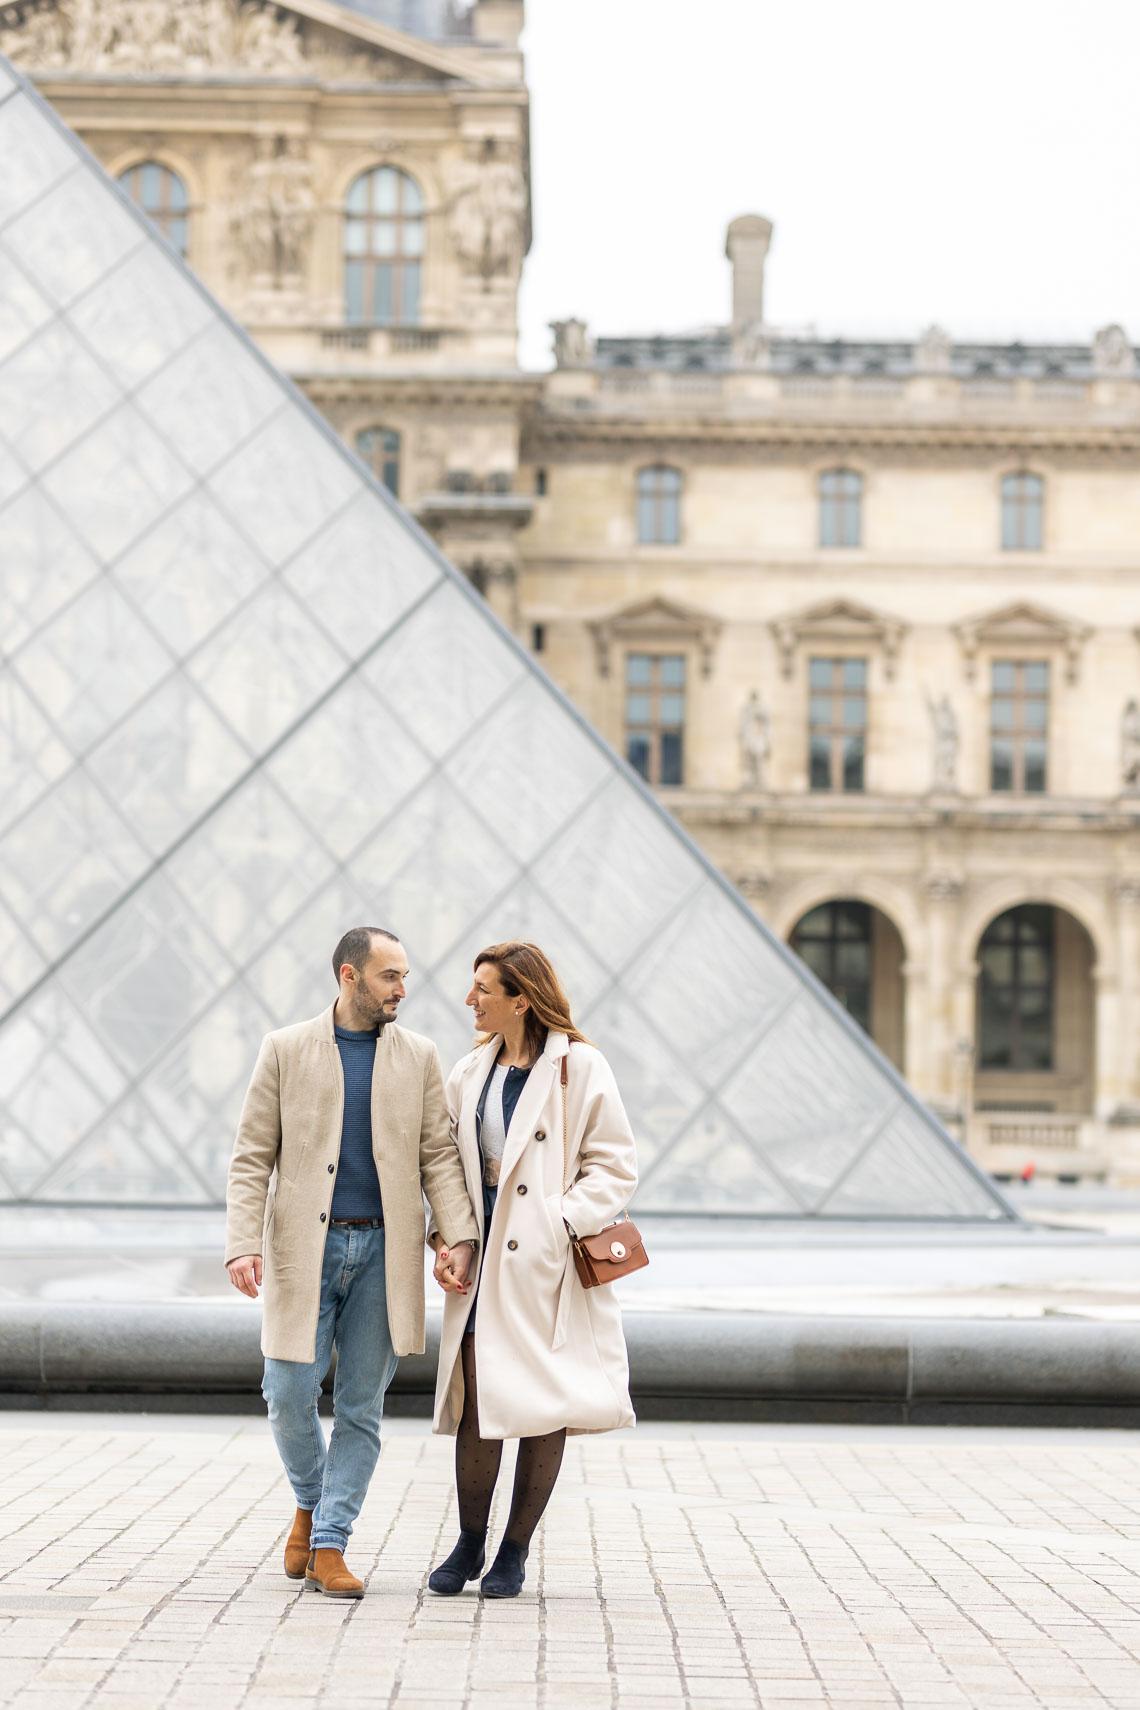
754	734
1130	747
274	220
573	346
945	726
487	214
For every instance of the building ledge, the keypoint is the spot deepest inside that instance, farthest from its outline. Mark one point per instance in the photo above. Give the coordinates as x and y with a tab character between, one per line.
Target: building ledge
869	811
513	510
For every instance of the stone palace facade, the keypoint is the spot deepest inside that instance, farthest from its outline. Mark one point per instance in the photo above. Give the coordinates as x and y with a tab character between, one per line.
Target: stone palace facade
866	614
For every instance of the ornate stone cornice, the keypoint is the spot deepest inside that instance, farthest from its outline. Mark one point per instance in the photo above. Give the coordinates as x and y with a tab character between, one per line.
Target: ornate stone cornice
1023	625
840	621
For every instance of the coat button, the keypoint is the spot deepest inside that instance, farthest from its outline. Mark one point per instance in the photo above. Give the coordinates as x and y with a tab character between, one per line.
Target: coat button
540	1133
521	1187
512	1246
332	1169
322	1217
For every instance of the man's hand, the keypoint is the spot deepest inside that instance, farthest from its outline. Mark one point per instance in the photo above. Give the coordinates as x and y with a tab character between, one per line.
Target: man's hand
452	1265
245	1274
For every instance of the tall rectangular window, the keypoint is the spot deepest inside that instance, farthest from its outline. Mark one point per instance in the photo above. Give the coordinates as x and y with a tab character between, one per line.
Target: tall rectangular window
837	723
1019	725
1022	513
840	508
655	716
658	506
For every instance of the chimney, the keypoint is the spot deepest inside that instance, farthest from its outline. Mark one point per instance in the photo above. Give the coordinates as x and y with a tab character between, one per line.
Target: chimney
499	23
746	246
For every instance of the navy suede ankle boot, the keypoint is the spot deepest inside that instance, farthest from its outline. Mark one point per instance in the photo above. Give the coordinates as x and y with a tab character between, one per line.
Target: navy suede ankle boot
465	1562
506	1575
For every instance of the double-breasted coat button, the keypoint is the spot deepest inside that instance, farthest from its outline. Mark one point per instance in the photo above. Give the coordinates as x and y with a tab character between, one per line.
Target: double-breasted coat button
332	1169
512	1246
522	1187
540	1133
322	1217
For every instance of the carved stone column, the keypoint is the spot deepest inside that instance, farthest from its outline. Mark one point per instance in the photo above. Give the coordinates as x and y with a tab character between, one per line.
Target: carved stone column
1118	1052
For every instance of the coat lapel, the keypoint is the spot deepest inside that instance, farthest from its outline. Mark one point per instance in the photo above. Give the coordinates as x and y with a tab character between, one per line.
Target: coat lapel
532	1101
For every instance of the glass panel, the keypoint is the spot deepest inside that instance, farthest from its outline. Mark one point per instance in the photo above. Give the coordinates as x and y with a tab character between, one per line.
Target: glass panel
820	673
32	755
1003	677
116	482
410	307
188	573
383	238
853	763
854	673
638	670
44	565
638	709
672	670
291	479
820	763
1035	767
385	190
51	391
354	291
358	195
35	156
412	238
672	757
266	666
381	306
207	400
357	578
1036	676
1001	766
672	709
854	712
1036	714
1001	715
22	308
66	242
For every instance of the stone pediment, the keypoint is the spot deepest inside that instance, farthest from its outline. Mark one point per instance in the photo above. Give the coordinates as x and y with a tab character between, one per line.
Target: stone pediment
189	38
1022	625
656	622
842	622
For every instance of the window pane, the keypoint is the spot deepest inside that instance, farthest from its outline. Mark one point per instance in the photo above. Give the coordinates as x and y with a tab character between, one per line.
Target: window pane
820	763
383	238
997	962
819	673
1035	781
1036	676
382	293
1036	714
637	709
412	237
1001	766
852	920
354	290
996	1036
673	671
820	709
355	238
646	513
672	709
385	190
670	521
1001	715
854	710
637	669
853	763
854	673
1003	676
671	742
410	311
637	753
357	201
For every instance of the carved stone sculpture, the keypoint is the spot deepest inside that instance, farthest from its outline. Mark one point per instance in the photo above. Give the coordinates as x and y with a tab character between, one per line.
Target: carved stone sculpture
274	219
754	734
156	36
573	346
945	724
1130	747
752	345
933	352
1112	353
487	215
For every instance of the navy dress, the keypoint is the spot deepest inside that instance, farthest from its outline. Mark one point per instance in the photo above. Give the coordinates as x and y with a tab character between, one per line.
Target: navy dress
512	1087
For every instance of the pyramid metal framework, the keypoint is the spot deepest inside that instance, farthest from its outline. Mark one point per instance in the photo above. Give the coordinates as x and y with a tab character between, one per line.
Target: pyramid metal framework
245	704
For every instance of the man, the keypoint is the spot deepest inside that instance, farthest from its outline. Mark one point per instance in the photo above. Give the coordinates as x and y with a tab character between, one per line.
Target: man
349	1110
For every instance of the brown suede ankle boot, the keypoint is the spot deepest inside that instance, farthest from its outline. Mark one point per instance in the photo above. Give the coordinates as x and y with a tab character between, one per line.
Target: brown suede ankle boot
297	1544
328	1574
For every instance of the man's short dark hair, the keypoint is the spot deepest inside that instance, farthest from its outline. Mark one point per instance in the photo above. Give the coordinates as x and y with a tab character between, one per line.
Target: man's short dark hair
356	947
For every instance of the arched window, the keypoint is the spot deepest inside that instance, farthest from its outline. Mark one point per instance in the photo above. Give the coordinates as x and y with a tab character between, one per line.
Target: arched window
1015	1021
379	447
1022	512
161	194
840	508
659	506
383	249
835	942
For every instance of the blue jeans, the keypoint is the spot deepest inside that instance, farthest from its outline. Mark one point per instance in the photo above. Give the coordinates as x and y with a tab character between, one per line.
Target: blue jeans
354	1316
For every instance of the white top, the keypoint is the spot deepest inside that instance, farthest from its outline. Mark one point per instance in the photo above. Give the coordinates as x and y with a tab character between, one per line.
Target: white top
493	1134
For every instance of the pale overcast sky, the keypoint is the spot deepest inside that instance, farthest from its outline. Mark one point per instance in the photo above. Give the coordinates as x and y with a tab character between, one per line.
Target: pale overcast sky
973	164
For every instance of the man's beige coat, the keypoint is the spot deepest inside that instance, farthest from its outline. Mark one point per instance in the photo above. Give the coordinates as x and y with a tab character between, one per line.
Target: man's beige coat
549	1353
283	1170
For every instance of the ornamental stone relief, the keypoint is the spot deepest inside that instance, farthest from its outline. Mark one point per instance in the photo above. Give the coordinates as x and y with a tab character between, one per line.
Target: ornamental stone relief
191	36
488	210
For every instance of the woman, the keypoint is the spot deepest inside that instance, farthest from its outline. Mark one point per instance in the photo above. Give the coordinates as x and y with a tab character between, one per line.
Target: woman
541	1356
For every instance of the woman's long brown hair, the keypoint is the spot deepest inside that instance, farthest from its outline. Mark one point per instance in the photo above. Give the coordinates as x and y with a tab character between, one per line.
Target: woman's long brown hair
525	971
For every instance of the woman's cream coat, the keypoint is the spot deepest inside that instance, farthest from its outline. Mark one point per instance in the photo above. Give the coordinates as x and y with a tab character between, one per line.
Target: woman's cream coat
549	1352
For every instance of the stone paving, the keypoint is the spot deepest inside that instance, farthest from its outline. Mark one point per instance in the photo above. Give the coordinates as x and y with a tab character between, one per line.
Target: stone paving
679	1566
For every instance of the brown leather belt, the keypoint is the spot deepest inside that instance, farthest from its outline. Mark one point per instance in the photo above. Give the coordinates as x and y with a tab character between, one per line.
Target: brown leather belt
358	1223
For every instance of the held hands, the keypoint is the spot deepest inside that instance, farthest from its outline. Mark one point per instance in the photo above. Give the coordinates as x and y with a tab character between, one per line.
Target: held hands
452	1265
245	1274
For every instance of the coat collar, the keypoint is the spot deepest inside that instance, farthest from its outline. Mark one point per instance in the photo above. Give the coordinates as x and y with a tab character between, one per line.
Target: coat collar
542	1077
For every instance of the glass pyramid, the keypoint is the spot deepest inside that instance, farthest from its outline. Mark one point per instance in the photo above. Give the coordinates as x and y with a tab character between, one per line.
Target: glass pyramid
245	704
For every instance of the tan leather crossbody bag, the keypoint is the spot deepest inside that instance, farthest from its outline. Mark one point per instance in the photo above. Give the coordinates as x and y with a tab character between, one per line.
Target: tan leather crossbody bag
613	1252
